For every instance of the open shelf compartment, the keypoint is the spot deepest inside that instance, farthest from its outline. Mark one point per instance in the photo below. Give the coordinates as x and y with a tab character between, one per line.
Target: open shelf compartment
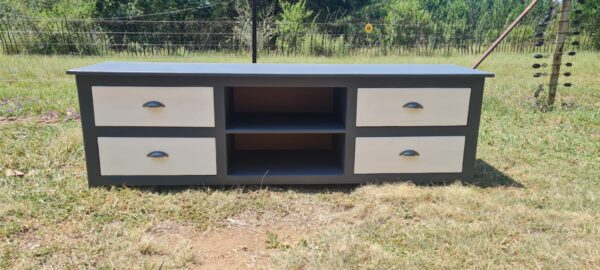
301	109
285	154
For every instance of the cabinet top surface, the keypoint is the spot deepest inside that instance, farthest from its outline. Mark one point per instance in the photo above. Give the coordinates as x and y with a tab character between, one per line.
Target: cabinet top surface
220	69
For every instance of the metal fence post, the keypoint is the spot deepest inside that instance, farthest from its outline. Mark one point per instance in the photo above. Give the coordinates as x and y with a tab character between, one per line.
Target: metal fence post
254	31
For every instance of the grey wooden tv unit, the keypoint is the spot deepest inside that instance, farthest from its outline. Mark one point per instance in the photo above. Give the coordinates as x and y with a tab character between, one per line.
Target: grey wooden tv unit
236	124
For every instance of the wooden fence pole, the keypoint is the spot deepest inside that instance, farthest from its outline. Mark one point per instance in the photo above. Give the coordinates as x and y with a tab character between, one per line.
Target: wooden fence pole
505	33
563	28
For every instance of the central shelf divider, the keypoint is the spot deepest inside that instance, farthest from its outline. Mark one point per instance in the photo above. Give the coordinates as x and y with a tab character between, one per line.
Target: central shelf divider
285	130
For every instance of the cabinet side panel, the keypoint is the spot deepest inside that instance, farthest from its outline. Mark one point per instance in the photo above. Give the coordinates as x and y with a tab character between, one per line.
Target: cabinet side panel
90	144
476	85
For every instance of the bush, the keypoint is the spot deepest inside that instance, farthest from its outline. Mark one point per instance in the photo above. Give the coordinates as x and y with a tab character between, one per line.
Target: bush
291	25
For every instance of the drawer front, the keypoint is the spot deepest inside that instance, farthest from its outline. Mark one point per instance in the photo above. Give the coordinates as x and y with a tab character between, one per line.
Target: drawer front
146	156
409	154
412	107
153	106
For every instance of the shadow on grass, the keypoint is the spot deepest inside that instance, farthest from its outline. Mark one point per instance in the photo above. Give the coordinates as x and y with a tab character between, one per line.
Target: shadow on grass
486	176
308	189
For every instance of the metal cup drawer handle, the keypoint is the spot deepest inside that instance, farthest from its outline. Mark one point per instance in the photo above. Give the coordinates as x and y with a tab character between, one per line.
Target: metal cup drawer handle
412	105
157	154
409	153
153	104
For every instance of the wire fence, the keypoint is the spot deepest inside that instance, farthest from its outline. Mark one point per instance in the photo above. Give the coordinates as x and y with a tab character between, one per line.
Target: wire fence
46	36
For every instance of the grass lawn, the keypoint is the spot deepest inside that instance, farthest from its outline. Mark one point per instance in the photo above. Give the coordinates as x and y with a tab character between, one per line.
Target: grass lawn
536	202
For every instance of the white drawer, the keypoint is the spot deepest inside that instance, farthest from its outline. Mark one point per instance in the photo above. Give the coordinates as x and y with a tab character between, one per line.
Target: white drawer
143	106
412	107
393	154
130	156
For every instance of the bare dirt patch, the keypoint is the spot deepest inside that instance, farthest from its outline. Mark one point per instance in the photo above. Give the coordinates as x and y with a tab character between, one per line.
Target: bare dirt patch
242	244
241	247
245	241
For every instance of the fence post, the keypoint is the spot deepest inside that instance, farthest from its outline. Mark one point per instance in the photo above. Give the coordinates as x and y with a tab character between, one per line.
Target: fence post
254	31
563	28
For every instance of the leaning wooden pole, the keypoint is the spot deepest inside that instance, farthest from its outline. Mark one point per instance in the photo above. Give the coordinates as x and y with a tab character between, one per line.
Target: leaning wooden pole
505	33
563	30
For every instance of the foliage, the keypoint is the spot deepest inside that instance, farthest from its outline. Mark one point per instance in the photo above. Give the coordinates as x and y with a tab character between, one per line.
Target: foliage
590	19
412	23
243	26
49	8
287	26
291	24
316	43
46	38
